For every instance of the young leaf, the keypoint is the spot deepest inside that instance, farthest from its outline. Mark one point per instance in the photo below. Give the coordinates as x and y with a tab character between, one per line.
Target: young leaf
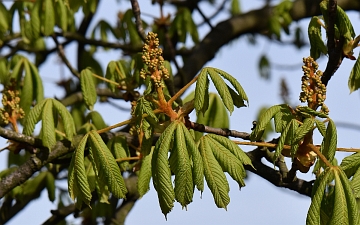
88	88
119	148
49	17
307	111
313	216
261	125
50	186
328	148
317	45
340	210
27	92
79	187
197	164
96	119
282	118
48	125
161	172
33	117
184	187
214	176
282	140
264	67
354	78
350	164
201	102
61	14
321	127
4	18
215	116
305	128
235	7
68	122
106	165
228	161
145	174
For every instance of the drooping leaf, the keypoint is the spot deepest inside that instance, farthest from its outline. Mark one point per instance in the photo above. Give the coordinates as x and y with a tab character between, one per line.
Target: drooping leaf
49	17
321	127
202	92
214	176
306	127
184	187
354	78
350	164
48	125
228	162
328	148
317	45
33	117
4	18
119	148
307	111
88	88
96	119
50	186
79	187
145	174
61	14
109	171
313	216
282	118
68	122
235	7
264	67
161	172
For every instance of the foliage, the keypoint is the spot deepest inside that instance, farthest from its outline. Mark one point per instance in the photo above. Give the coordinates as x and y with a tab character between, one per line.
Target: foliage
160	143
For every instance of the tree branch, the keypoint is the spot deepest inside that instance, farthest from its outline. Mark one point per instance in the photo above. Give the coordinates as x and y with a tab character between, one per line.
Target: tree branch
251	22
136	10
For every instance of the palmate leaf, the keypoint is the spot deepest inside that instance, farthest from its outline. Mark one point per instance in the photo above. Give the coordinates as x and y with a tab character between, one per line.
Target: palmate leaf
88	88
214	176
202	92
184	187
79	187
145	174
44	111
107	168
161	172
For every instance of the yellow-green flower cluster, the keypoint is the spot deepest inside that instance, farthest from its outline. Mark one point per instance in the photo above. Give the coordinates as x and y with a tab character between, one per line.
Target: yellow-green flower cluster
11	108
313	90
152	57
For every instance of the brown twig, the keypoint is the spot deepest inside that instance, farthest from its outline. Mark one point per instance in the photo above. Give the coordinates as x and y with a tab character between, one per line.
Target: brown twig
219	131
64	59
138	22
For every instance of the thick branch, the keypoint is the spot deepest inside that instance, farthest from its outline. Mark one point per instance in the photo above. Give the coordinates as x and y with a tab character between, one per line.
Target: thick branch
255	21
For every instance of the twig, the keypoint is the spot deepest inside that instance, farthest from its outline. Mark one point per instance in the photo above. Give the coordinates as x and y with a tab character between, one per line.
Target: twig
221	7
136	11
220	131
63	57
206	20
60	214
334	46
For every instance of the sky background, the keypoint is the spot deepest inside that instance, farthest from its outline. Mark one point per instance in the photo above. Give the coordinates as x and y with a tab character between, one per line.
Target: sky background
259	202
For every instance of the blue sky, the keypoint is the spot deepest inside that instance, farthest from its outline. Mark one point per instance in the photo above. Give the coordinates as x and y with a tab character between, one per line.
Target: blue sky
259	202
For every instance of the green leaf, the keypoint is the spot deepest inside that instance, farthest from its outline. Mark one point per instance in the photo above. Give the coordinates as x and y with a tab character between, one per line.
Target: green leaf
161	172
344	24
35	19
37	82
197	163
235	7
305	128
108	170
33	117
49	17
119	148
96	119
228	162
48	125
50	186
353	212
184	187
354	78
350	164
340	210
264	67
317	45
26	97
61	14
282	139
355	183
282	118
201	101
216	115
68	122
222	89
145	174
264	121
313	216
310	112
79	187
214	176
4	18
321	127
328	148
88	88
